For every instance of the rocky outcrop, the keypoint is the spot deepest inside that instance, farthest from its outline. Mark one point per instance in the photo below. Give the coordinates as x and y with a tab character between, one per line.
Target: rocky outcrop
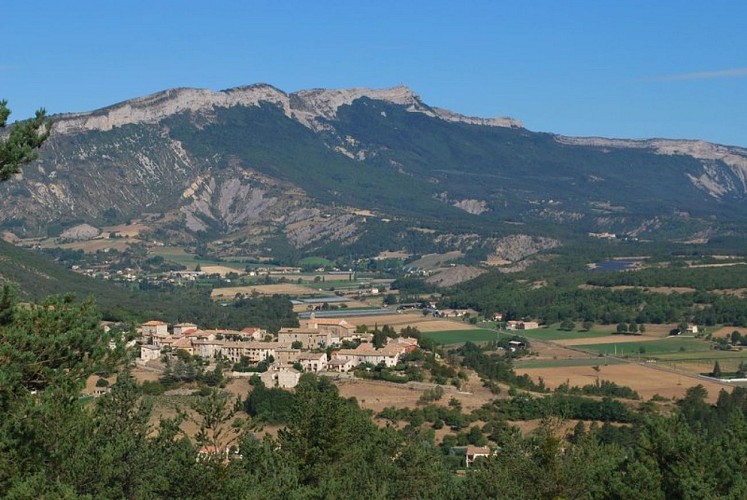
519	246
312	108
315	229
80	232
475	207
501	121
155	107
454	275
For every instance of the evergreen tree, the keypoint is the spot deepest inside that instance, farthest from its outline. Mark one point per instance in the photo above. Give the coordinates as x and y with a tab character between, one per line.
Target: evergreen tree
24	138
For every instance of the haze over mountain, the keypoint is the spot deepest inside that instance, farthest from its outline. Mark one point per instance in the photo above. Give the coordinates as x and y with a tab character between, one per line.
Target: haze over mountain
255	170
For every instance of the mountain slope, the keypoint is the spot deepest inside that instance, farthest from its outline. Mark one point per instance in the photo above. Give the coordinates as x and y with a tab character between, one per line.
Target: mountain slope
323	170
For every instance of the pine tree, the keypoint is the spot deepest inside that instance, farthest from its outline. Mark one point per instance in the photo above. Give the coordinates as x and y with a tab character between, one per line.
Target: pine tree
24	138
716	370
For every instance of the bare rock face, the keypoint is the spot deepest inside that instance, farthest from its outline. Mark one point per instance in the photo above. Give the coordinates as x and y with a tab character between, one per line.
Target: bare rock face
519	246
454	275
475	207
309	107
311	230
80	232
324	103
501	121
155	107
232	202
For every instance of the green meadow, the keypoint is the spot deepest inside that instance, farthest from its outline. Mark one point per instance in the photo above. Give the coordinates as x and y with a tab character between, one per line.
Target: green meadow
664	346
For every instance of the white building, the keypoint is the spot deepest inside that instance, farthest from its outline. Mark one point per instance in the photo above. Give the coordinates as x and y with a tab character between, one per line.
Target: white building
313	362
366	353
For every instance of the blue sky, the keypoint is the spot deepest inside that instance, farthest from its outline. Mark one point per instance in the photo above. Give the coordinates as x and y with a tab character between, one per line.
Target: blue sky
611	68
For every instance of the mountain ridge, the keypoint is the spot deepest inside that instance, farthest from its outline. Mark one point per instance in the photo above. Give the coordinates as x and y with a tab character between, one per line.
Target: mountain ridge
306	106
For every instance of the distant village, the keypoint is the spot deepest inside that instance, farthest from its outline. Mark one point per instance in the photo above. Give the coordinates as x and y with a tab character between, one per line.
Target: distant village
287	354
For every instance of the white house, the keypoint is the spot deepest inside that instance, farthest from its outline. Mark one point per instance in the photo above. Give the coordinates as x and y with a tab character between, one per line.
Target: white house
340	365
286	378
313	362
475	452
149	353
366	353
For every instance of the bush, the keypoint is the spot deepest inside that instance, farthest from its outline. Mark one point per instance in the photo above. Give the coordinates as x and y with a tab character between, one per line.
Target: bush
151	388
431	395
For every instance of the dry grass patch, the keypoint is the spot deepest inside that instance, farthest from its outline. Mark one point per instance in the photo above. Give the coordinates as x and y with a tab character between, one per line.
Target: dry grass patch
280	288
644	379
377	395
92	246
546	350
561	428
612	339
222	270
414	319
725	331
126	230
661	330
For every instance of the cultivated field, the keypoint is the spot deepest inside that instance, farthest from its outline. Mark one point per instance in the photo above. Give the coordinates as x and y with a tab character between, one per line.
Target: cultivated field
436	260
725	331
91	246
126	230
280	288
607	339
547	350
461	336
340	280
643	378
222	270
562	363
559	336
650	347
190	260
353	304
412	318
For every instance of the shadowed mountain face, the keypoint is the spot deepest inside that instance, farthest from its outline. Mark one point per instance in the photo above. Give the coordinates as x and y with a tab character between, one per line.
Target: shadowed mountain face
359	171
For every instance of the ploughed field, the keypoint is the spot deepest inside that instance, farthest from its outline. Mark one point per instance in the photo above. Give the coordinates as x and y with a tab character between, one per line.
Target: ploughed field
652	363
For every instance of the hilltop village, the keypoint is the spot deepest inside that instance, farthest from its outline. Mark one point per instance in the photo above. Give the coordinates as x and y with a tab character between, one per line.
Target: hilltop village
319	345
